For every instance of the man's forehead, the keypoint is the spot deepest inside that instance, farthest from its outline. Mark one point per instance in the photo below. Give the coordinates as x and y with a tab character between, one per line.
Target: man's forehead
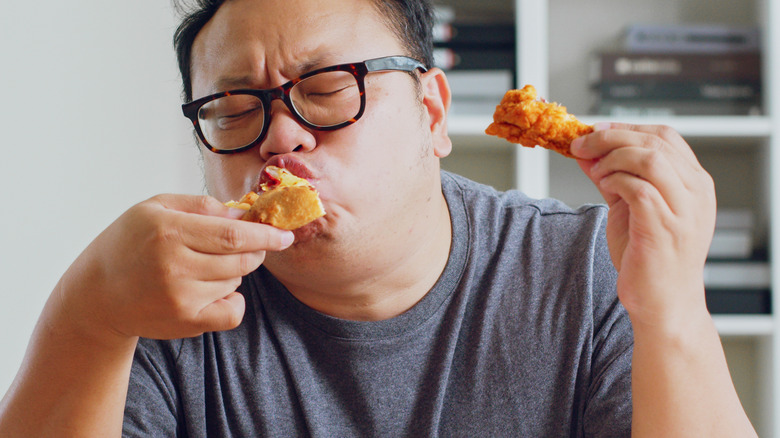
247	39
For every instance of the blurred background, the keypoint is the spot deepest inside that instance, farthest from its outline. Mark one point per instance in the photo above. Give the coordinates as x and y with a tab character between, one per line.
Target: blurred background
90	124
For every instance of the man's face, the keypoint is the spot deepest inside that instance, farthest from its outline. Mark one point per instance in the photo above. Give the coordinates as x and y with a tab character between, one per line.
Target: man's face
372	174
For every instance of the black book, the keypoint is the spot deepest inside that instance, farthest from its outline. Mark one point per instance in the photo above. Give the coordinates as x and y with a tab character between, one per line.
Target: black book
738	301
487	33
635	67
474	58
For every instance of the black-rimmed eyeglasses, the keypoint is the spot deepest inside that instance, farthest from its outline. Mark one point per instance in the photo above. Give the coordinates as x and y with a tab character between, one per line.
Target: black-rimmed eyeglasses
324	99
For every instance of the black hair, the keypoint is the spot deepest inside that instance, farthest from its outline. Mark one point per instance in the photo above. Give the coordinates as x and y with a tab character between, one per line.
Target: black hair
410	20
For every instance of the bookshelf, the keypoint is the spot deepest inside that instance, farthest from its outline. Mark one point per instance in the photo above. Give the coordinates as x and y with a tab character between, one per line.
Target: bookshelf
555	40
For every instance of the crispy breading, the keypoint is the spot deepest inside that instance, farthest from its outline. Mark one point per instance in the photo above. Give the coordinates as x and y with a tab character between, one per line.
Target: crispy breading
522	117
287	208
287	201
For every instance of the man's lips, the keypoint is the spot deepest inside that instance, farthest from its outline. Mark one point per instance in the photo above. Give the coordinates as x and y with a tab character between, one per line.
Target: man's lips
293	165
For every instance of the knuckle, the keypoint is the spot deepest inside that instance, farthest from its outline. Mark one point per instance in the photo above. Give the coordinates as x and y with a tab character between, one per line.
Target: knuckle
204	203
233	238
163	253
671	135
170	272
602	136
166	235
653	143
181	308
651	161
159	228
665	131
644	194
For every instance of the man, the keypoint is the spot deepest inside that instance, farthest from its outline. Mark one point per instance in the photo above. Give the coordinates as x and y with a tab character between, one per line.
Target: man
422	304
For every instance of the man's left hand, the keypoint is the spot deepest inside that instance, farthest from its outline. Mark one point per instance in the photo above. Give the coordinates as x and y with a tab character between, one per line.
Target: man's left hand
661	217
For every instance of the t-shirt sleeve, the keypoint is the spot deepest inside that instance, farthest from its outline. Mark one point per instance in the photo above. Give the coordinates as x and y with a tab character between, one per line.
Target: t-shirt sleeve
151	406
608	407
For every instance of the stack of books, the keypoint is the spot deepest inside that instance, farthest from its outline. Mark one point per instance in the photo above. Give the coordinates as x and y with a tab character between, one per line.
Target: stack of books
680	70
477	53
737	279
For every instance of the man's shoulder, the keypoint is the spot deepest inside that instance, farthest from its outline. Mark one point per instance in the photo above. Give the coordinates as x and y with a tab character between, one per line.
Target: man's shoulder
481	198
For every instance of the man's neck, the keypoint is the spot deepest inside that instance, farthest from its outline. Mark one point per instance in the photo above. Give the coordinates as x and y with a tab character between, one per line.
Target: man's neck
378	284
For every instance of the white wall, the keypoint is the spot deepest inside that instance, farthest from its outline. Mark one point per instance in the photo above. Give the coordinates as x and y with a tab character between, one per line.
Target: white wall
90	124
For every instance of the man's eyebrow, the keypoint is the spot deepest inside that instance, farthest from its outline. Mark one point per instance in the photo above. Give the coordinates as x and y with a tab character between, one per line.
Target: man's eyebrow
248	81
306	67
232	83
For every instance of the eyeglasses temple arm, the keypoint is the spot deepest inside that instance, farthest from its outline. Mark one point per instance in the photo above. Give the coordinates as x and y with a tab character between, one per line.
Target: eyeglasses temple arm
395	63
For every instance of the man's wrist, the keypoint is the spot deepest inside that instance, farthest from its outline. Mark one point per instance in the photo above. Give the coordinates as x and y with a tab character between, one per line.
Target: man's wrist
67	318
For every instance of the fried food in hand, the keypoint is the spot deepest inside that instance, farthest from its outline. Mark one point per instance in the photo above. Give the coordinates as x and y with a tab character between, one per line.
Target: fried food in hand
522	117
285	201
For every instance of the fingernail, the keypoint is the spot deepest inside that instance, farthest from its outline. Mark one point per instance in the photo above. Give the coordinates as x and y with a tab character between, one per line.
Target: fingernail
576	144
235	213
601	126
287	239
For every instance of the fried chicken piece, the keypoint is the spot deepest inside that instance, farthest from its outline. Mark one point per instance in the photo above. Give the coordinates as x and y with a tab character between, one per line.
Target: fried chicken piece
522	117
285	201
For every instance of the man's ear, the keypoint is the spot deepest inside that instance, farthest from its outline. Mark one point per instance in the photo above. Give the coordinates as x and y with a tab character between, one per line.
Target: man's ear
436	100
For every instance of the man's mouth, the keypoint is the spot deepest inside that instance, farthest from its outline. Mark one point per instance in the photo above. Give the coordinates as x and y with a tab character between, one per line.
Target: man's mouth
294	166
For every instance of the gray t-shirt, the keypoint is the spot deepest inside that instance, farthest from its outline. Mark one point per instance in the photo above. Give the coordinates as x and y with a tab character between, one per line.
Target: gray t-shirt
522	335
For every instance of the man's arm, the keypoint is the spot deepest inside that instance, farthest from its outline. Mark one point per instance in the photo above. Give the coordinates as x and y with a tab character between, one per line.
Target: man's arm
167	268
661	222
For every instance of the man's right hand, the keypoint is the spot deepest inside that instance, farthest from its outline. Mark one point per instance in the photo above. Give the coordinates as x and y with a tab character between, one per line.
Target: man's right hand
167	268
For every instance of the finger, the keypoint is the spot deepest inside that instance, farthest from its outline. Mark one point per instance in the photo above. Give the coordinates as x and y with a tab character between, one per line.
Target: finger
219	236
647	207
663	144
639	216
663	131
185	312
222	314
649	165
200	225
217	267
610	136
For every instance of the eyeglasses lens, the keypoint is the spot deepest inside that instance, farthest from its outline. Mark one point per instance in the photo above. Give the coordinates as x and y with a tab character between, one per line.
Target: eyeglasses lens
327	99
323	100
231	122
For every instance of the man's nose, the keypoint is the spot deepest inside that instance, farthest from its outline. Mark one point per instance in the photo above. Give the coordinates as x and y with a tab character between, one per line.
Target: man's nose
285	133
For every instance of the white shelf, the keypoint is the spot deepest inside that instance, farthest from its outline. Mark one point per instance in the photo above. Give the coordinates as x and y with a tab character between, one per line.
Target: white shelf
690	126
469	125
744	325
701	126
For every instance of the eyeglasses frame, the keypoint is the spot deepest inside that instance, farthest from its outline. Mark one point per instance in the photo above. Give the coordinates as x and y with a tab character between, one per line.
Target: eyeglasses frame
358	69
